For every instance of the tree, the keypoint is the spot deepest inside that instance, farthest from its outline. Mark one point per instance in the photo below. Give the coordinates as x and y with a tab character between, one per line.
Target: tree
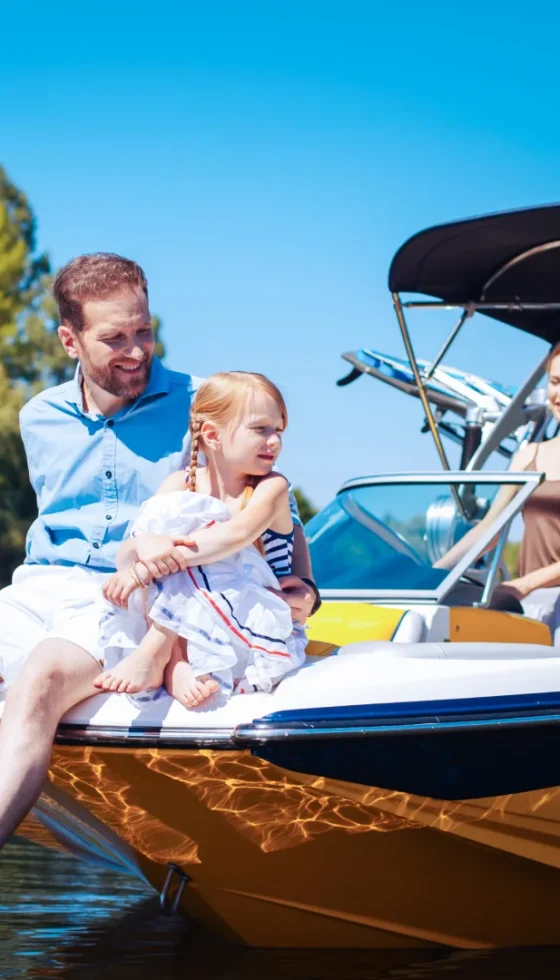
31	358
511	558
305	507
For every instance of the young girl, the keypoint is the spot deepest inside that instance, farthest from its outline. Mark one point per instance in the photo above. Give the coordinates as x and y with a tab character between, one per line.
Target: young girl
239	634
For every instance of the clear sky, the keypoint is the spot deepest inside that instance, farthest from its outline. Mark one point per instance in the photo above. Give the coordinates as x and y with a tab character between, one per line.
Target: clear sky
264	160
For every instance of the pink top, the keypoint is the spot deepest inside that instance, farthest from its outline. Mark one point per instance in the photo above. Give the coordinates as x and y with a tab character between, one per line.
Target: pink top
540	545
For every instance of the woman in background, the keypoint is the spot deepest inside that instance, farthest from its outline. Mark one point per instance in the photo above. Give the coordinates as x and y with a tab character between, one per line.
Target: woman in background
538	583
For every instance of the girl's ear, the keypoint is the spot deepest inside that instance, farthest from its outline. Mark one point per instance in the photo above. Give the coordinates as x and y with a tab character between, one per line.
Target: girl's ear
211	435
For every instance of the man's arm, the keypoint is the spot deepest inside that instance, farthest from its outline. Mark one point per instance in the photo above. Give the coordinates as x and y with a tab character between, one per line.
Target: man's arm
301	560
299	589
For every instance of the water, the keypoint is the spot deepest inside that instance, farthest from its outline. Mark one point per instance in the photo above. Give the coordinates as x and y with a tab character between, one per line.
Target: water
63	918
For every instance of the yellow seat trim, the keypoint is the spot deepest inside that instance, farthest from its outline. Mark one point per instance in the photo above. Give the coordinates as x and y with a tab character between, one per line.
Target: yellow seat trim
337	623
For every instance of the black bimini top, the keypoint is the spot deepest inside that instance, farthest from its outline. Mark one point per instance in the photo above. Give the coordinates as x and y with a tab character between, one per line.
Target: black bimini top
508	258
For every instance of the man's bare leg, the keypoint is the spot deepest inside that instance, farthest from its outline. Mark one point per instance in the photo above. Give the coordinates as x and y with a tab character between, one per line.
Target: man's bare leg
57	675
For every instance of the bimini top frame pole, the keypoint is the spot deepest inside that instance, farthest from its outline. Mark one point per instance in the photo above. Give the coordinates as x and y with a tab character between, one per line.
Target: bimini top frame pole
434	304
468	312
424	398
519	273
510	419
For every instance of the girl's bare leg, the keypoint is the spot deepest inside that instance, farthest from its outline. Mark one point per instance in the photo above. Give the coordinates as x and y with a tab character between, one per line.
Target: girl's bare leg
143	669
180	681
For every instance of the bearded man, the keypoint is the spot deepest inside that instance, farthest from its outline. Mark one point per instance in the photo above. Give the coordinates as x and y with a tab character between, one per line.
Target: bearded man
97	447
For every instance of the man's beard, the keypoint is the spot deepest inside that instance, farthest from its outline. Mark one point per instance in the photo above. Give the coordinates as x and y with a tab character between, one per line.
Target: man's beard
115	382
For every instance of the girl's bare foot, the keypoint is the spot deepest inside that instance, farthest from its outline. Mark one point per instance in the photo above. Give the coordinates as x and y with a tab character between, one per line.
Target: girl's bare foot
180	681
143	669
138	672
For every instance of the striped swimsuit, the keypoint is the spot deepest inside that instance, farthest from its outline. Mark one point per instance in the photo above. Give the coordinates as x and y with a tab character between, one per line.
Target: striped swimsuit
278	551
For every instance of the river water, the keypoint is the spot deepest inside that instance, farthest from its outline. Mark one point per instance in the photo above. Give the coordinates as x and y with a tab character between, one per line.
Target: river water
64	918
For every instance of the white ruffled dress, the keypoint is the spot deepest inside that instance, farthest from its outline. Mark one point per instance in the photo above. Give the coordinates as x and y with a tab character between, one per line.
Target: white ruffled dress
235	628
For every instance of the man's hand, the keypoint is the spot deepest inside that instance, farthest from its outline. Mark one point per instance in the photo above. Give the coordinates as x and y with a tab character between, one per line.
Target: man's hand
299	596
161	554
121	585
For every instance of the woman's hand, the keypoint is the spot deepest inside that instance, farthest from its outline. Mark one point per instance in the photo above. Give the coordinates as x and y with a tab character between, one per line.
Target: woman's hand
519	587
160	554
121	585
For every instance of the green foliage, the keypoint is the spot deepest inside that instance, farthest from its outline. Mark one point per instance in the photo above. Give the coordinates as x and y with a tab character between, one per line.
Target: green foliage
156	326
511	558
31	358
305	507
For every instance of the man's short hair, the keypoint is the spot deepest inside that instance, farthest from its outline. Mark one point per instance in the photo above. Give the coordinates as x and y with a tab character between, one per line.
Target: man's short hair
92	277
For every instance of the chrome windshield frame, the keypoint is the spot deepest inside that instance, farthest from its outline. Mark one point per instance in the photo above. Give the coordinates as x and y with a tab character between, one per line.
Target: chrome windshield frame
527	481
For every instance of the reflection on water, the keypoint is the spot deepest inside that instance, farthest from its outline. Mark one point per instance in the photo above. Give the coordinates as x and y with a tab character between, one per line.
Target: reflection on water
64	918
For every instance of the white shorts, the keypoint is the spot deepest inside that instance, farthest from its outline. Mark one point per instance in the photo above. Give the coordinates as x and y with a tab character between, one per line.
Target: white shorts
47	601
544	605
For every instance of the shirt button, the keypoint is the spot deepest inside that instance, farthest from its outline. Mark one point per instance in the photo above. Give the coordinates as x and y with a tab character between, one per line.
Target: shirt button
111	423
96	544
108	474
107	517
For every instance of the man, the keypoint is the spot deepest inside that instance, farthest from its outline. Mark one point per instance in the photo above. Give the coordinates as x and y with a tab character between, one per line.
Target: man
97	447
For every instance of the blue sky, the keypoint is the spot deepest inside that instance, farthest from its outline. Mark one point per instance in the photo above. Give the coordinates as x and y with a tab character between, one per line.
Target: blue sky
264	160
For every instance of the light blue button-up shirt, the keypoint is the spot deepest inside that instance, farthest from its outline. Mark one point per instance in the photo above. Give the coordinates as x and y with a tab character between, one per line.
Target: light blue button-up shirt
92	473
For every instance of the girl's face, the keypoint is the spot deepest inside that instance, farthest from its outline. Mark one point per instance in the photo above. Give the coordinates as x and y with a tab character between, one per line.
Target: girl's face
553	389
251	445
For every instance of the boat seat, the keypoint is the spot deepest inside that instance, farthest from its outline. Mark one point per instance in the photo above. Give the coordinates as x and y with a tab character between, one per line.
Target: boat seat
411	629
485	652
466	593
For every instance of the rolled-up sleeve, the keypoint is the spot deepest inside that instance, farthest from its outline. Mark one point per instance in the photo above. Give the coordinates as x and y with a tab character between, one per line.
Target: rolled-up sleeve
36	476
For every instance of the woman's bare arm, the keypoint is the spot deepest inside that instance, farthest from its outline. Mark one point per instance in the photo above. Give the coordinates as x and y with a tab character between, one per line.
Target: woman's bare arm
506	493
541	578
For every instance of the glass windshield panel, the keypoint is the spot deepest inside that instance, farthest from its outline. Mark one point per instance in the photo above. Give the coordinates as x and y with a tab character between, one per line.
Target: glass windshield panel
390	536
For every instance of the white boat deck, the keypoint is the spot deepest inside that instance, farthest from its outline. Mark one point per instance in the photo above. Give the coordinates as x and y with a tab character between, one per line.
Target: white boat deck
358	674
361	673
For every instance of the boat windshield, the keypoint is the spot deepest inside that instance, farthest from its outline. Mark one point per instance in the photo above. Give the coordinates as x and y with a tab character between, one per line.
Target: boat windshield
388	535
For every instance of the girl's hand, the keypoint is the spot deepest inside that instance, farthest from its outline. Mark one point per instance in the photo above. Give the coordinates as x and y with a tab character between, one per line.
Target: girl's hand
121	585
160	554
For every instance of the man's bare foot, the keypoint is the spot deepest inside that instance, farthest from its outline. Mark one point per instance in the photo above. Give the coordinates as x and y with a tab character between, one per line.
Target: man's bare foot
142	670
181	683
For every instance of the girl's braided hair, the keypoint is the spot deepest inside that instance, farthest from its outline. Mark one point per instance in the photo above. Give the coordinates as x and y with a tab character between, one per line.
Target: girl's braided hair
195	427
222	398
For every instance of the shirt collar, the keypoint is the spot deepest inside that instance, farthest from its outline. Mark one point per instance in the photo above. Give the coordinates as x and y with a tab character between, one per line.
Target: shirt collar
75	396
158	384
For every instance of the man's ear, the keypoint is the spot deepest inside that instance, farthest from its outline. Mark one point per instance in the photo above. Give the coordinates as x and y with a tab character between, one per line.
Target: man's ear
210	435
67	338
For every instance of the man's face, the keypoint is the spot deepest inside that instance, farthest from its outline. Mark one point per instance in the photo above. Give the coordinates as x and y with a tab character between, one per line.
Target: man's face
116	346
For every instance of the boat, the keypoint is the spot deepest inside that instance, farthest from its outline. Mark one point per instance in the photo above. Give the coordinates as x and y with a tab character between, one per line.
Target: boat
402	789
